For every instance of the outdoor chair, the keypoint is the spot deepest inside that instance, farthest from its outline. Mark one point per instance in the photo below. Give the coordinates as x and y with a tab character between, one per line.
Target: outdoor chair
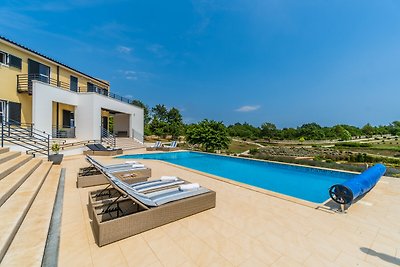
132	211
156	146
171	147
100	150
130	172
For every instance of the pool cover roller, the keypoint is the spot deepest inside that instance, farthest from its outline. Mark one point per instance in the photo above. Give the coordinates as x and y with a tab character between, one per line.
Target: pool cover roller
346	192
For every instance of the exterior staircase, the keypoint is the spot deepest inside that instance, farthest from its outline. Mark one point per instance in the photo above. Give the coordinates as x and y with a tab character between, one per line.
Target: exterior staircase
28	188
127	143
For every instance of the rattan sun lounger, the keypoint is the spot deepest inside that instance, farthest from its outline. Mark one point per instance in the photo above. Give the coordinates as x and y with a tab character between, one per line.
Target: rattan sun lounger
130	173
133	212
100	150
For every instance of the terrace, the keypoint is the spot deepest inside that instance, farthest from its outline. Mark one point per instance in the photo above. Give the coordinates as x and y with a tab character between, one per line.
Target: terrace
248	227
24	85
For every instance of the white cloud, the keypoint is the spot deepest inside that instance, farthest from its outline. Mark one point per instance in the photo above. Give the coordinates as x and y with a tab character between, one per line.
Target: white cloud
247	108
124	49
130	75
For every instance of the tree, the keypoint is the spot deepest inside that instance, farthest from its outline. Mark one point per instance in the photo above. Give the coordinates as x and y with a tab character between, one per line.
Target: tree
368	129
160	112
175	123
210	135
311	131
268	130
341	132
394	128
243	130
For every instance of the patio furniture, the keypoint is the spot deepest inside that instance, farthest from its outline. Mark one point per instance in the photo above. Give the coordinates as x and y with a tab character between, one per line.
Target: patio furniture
109	193
133	212
171	147
100	150
156	146
129	172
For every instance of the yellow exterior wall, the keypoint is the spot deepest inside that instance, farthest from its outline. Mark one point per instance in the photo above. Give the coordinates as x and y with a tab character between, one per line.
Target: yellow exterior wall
61	107
8	78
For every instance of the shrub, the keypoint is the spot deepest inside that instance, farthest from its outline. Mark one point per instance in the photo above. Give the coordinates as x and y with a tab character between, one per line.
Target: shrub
353	144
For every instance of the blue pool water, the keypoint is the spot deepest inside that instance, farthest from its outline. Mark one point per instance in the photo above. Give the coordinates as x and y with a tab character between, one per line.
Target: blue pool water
306	183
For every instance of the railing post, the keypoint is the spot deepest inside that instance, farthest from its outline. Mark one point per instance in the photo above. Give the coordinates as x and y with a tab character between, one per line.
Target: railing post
48	146
2	133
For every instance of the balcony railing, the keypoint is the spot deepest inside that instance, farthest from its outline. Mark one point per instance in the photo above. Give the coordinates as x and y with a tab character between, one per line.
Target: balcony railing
24	82
105	92
24	85
63	132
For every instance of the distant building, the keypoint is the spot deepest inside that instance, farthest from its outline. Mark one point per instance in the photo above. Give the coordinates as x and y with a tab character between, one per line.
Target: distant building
60	100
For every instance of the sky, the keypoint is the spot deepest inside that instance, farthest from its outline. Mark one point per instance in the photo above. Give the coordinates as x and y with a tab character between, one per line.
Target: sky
288	62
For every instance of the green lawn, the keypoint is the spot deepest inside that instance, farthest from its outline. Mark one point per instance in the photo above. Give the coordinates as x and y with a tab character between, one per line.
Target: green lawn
239	147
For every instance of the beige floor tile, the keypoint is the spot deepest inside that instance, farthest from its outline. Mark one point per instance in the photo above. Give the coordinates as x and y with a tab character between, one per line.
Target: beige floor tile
345	259
286	261
167	251
137	252
247	228
259	251
277	243
318	261
252	262
110	255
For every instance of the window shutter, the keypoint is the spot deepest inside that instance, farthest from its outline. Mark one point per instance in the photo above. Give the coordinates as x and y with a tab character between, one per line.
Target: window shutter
14	112
14	61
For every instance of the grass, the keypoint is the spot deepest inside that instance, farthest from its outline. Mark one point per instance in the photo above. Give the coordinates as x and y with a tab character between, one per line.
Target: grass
237	147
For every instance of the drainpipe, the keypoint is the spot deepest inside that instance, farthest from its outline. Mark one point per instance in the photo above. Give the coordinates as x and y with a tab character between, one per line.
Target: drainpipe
58	76
57	119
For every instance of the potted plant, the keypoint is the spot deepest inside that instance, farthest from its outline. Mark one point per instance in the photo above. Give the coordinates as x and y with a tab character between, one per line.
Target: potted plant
55	157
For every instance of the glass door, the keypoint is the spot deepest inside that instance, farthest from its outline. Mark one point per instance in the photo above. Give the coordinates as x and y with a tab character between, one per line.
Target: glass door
38	71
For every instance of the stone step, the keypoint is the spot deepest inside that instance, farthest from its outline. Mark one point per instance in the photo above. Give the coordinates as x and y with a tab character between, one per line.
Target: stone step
13	181
8	156
28	245
4	149
13	211
8	167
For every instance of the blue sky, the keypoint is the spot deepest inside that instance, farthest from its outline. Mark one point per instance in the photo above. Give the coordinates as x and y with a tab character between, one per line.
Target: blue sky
286	62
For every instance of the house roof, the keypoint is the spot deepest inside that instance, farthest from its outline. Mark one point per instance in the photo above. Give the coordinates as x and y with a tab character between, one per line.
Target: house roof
51	59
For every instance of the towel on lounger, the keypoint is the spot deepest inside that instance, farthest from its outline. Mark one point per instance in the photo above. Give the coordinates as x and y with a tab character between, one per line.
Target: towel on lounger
169	178
189	186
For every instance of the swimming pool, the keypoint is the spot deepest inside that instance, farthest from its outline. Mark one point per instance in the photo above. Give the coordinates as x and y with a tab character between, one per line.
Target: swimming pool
310	184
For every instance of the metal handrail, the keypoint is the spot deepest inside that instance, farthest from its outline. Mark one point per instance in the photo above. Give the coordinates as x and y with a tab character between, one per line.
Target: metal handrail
24	82
32	129
28	138
63	132
107	137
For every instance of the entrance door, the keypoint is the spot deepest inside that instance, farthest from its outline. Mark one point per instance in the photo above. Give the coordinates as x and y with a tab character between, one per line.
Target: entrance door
104	123
66	119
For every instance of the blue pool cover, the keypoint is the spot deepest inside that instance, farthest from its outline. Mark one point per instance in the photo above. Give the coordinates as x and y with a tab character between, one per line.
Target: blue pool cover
346	192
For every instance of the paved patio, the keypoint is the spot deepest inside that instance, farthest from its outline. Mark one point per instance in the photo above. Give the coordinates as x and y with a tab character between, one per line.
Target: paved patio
247	228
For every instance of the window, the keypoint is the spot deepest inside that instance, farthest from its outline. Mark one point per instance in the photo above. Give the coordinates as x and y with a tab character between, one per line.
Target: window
10	60
15	62
73	83
90	87
38	71
3	58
